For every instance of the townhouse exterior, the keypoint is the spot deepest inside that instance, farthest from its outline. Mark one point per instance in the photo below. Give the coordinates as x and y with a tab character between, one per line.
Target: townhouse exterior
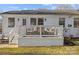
39	27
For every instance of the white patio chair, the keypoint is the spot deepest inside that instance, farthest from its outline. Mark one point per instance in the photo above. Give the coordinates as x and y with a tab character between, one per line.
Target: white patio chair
47	29
29	29
52	29
35	29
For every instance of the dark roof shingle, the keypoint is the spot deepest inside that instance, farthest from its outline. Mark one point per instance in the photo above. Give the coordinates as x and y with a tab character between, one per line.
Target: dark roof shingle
41	12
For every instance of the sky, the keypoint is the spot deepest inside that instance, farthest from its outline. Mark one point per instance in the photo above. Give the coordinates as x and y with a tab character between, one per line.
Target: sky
8	7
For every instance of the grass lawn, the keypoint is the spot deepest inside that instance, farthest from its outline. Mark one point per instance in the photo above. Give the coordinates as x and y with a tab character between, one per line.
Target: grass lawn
76	41
55	50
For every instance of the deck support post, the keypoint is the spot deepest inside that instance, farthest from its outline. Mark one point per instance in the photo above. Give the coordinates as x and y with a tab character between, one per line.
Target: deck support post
40	32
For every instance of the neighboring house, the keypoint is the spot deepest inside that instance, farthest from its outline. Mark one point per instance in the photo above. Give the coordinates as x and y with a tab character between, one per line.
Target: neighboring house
39	27
0	26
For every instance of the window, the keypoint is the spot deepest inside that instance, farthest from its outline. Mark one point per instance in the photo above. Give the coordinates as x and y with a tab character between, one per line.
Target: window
11	22
33	21
24	21
40	21
76	22
62	21
37	21
0	28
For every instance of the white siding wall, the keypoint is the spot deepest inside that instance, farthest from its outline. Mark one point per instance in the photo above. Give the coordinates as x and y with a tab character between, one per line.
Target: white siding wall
68	21
52	20
6	29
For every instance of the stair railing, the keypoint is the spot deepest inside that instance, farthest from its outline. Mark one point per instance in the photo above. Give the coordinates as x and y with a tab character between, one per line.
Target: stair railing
12	34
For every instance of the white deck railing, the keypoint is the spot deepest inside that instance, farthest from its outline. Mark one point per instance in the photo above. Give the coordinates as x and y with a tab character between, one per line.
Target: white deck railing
44	31
13	35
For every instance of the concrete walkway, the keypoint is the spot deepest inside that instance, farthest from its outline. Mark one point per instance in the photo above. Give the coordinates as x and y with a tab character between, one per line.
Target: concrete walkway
8	46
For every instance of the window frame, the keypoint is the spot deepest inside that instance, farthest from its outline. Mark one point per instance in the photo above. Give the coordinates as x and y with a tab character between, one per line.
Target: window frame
0	28
62	22
37	21
24	21
11	22
41	23
76	22
33	19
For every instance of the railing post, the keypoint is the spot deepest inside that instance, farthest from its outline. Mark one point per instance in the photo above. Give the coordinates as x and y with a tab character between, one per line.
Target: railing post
55	30
40	32
60	31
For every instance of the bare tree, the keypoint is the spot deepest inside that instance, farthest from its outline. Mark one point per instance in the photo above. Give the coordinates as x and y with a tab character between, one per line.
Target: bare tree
65	7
